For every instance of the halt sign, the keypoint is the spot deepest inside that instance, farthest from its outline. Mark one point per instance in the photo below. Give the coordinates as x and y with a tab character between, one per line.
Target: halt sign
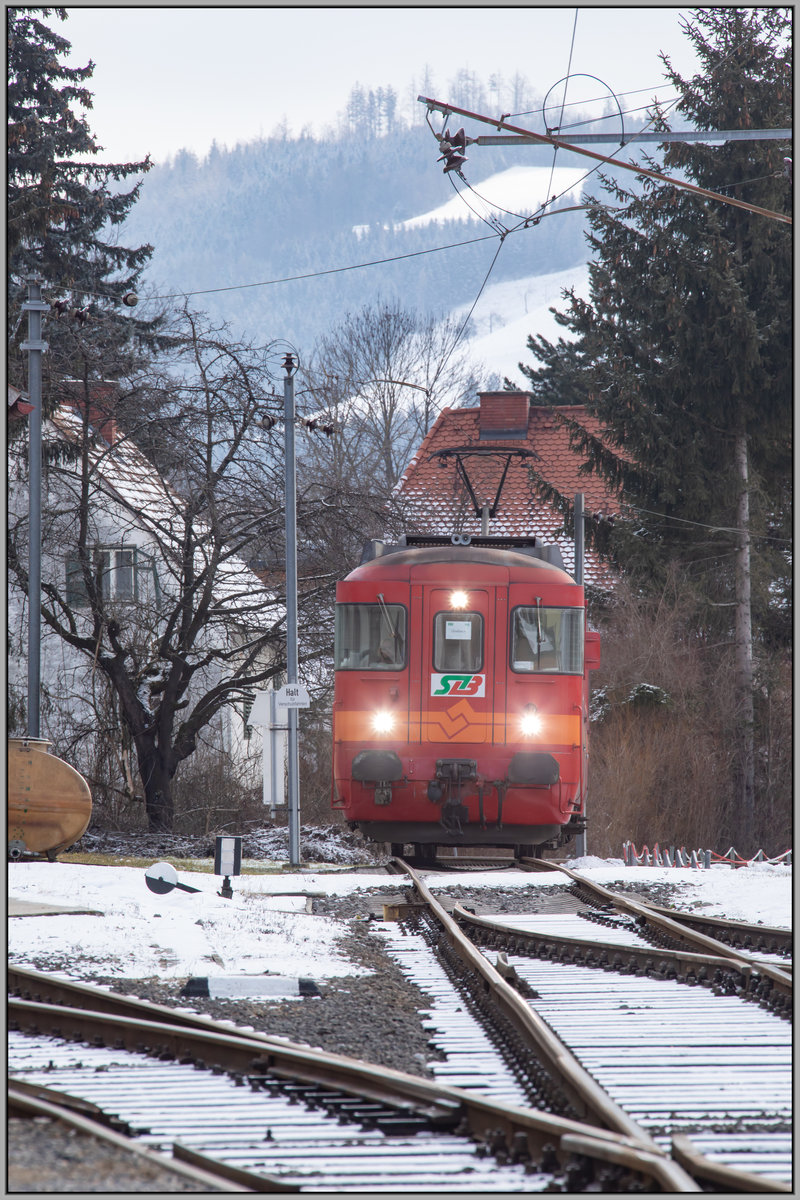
292	695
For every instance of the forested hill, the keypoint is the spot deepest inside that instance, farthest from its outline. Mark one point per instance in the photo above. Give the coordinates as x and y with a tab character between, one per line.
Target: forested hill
288	206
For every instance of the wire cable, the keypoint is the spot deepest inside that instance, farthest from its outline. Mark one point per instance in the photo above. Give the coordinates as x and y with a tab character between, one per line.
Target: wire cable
713	528
592	100
460	333
376	262
563	99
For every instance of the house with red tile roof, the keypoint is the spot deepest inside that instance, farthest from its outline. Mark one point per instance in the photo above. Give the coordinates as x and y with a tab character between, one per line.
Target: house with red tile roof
478	461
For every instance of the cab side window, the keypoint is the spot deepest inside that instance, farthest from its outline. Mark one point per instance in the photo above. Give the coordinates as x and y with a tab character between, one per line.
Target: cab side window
547	639
370	637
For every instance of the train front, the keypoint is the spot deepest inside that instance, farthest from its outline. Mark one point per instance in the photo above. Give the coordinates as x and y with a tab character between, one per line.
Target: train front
460	705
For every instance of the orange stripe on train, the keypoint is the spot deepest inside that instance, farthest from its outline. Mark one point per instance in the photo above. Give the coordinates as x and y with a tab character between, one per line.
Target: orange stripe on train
459	723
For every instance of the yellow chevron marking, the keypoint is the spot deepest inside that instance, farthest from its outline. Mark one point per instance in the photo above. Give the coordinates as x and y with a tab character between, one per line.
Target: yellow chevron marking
460	723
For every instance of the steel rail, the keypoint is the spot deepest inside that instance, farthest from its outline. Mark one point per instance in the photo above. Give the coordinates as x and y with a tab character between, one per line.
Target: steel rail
240	1053
23	1100
668	925
723	1178
781	939
248	1053
589	1099
685	964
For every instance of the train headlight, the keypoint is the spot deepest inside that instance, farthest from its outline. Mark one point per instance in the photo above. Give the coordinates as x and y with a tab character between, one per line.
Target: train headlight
530	722
382	722
459	599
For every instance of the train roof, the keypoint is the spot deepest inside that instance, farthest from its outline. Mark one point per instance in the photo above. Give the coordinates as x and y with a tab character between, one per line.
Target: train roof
512	553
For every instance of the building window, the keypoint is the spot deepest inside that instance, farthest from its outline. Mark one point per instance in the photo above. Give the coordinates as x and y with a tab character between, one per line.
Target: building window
120	572
124	574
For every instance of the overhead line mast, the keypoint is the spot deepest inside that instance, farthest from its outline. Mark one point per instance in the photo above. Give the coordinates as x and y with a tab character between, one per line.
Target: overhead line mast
559	143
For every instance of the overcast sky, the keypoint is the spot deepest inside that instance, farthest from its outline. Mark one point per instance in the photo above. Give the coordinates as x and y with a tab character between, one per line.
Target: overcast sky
169	77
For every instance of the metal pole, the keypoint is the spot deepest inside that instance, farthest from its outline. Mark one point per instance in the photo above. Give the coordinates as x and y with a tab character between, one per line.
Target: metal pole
579	538
35	347
580	838
694	135
293	763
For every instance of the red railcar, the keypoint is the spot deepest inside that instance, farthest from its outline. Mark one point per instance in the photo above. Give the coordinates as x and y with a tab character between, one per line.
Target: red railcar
460	709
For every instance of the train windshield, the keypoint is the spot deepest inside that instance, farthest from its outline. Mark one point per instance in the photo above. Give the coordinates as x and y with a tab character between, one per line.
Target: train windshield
457	641
547	639
370	637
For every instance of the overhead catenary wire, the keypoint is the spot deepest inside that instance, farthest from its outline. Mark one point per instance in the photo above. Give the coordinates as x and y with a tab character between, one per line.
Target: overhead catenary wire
563	99
534	217
765	537
377	262
662	107
466	320
592	100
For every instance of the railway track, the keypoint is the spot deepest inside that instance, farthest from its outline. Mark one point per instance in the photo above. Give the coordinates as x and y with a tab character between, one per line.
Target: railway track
520	1102
657	1050
265	1114
753	943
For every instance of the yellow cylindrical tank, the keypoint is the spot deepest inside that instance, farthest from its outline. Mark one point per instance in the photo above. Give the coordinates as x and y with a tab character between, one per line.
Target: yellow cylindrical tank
49	802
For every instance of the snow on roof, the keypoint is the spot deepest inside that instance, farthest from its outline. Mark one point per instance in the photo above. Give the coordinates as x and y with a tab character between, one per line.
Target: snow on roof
18	403
435	498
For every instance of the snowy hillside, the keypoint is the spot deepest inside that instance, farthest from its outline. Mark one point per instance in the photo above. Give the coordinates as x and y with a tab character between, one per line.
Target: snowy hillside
515	193
508	313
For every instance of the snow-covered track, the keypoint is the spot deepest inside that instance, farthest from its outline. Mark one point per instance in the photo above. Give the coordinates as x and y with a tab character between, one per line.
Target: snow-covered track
307	1120
678	1061
666	927
699	931
88	1120
615	944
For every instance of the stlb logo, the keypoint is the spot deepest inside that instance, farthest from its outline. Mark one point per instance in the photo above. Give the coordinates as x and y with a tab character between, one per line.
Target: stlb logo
458	685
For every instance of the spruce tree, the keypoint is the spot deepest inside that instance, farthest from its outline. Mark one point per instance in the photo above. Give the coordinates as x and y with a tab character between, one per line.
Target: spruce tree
64	212
684	347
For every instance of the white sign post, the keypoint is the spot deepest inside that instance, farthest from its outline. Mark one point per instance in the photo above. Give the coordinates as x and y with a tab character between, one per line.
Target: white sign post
292	695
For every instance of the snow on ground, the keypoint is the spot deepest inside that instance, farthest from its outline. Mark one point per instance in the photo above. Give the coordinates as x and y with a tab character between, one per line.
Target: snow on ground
760	893
264	928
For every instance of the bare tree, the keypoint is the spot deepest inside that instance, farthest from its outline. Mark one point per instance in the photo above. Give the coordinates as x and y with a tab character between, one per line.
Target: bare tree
383	375
377	382
143	577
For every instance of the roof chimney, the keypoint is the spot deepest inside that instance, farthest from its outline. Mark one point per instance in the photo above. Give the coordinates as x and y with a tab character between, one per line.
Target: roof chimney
102	398
504	415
